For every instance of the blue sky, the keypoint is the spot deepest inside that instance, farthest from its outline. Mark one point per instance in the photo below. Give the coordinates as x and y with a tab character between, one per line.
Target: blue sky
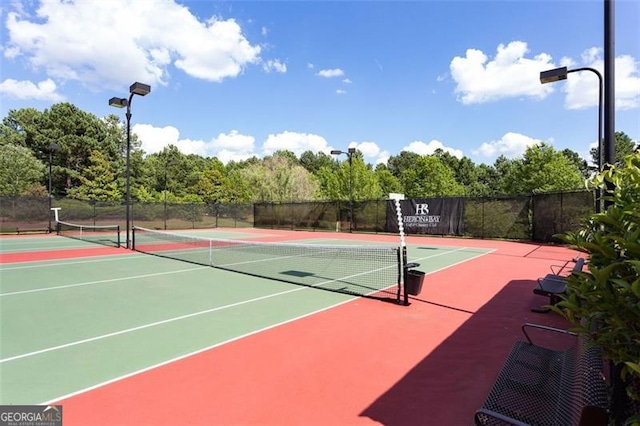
241	78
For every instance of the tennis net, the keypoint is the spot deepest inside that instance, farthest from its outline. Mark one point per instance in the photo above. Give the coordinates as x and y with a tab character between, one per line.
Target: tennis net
371	271
108	235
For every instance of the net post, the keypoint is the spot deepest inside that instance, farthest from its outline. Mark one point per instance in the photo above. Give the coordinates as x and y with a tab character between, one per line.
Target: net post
405	271
402	254
133	238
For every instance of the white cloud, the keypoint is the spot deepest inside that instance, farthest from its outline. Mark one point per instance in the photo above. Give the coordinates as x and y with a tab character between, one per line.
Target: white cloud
274	65
295	142
422	148
154	139
310	66
336	72
508	74
226	147
511	145
341	92
42	91
347	81
582	87
627	83
371	152
232	146
111	43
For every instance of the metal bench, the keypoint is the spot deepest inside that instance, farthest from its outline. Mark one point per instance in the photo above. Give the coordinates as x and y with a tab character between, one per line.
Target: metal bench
541	386
26	231
555	284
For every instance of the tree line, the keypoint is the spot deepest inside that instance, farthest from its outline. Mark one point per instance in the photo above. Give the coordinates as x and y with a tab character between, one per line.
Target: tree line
85	156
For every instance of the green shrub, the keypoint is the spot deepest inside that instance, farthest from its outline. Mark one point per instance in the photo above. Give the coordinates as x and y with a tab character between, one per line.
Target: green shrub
605	300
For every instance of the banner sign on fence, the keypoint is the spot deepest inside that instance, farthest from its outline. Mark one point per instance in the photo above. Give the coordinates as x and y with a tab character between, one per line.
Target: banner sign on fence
437	216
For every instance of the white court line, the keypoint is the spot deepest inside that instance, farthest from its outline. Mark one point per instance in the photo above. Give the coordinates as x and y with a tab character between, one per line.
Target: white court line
133	277
453	251
54	262
142	327
454	264
199	351
206	311
193	353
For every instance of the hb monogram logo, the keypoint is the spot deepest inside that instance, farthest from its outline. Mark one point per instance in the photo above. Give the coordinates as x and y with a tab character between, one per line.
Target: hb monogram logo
422	209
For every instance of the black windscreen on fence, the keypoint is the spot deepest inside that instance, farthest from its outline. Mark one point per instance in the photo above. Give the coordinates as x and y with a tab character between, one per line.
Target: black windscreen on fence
302	215
498	217
559	213
534	217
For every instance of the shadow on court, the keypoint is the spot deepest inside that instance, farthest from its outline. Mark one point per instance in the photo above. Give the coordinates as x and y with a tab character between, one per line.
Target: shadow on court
450	383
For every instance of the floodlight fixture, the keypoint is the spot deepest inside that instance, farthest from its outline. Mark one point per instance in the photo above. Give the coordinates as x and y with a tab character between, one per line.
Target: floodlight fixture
118	102
551	76
140	89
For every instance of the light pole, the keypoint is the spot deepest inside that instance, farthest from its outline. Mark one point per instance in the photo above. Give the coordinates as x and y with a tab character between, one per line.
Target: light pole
349	152
135	89
557	74
167	163
51	149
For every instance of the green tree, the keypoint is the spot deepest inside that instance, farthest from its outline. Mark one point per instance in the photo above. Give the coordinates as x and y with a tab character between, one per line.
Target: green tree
365	183
76	132
543	169
20	170
290	156
488	181
387	181
430	178
277	178
20	127
465	171
578	161
239	188
98	181
624	146
406	160
329	183
314	162
214	185
355	179
504	169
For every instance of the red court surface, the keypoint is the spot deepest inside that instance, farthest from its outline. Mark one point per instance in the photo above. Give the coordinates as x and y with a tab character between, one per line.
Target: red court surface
33	256
363	362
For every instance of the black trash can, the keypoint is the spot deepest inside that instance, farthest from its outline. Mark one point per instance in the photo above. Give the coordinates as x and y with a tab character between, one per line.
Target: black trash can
414	282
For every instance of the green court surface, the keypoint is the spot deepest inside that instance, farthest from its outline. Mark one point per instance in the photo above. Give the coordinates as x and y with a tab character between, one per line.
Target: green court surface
73	324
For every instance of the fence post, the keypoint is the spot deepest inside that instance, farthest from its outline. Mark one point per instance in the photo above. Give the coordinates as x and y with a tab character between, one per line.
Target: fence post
532	228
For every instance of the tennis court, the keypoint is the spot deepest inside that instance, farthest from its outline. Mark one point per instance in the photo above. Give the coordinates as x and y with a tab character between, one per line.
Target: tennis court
98	321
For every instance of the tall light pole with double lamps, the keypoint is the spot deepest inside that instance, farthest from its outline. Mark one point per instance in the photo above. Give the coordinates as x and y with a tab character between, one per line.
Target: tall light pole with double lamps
140	89
349	152
51	149
557	74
